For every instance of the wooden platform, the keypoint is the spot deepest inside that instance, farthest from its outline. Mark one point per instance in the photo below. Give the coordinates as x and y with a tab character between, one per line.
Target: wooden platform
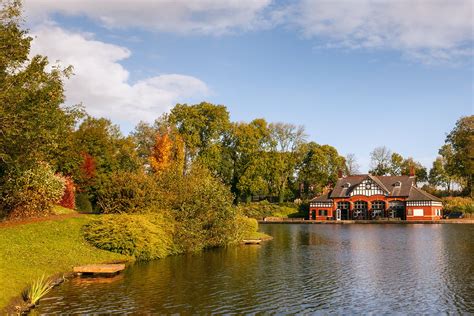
252	241
99	269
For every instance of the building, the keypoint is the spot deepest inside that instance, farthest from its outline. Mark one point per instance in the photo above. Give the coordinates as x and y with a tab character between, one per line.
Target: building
374	197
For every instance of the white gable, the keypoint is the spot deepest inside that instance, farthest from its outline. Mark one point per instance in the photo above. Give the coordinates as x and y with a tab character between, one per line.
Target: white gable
367	187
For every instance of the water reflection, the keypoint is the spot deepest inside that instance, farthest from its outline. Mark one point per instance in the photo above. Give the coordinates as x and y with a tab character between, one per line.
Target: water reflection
306	268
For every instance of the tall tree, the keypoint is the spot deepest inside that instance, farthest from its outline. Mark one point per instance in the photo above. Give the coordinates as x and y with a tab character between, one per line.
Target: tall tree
320	167
461	138
202	127
380	161
247	145
286	142
352	166
33	124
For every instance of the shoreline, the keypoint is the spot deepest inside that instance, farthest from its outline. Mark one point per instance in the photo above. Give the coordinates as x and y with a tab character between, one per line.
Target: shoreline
377	222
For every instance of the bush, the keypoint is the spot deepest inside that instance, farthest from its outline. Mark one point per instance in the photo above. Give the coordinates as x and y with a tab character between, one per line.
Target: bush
31	192
69	196
266	209
458	204
144	237
246	226
83	203
127	192
202	207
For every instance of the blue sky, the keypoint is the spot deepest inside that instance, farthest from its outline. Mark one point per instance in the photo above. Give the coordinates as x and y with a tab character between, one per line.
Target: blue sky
356	74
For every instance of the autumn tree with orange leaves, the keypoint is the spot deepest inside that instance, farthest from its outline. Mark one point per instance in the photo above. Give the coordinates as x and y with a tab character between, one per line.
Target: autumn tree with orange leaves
167	152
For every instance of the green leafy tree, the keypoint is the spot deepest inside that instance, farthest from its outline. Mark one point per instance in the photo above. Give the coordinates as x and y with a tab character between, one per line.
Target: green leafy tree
320	167
285	155
461	138
33	124
202	127
246	146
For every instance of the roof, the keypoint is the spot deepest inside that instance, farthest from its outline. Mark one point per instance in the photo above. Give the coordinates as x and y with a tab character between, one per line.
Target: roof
322	198
417	194
386	183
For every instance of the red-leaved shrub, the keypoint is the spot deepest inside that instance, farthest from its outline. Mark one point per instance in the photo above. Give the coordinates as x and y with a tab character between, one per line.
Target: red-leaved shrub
69	197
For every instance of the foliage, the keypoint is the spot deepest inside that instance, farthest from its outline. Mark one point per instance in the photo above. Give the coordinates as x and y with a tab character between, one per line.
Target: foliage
83	203
144	237
31	192
36	290
319	167
263	209
127	192
352	166
201	126
27	252
32	121
68	199
458	204
247	226
167	152
461	139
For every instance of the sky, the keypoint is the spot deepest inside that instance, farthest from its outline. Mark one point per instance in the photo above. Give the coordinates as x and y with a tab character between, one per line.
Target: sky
357	74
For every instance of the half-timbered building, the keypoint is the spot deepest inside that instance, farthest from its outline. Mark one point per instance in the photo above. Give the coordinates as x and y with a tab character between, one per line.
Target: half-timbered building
375	197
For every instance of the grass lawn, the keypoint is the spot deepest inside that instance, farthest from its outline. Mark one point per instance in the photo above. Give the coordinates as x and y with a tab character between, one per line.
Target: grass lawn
30	250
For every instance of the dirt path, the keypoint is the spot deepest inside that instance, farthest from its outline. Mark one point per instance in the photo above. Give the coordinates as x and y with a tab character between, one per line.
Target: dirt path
12	223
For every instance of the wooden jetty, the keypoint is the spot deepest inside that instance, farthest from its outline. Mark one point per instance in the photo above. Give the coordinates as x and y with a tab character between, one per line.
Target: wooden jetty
252	241
109	269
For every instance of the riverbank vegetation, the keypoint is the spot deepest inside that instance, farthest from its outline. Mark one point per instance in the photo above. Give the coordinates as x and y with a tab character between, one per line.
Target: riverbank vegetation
49	247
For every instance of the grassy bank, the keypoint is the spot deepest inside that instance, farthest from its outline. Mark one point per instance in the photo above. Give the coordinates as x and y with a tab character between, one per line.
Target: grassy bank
30	250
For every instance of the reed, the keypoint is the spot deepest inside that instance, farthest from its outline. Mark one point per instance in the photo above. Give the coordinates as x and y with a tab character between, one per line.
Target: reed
36	290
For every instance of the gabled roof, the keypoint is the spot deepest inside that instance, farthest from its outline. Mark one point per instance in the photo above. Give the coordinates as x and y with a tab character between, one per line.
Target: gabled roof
386	183
417	194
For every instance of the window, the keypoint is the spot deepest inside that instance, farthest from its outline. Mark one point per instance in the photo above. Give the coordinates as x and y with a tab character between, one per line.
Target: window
418	212
323	212
378	205
409	212
438	212
343	205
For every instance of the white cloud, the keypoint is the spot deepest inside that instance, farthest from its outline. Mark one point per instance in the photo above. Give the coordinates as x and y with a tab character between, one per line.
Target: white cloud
101	83
180	16
427	30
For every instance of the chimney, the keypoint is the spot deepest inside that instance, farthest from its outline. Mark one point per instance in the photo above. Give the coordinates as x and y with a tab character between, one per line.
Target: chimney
412	171
339	174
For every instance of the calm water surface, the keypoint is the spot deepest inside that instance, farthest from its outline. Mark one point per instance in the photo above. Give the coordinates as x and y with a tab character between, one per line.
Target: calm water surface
305	269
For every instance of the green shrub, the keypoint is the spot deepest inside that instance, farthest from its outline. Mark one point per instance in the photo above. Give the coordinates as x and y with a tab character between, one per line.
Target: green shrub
127	192
31	192
145	237
83	203
202	207
246	226
458	204
266	209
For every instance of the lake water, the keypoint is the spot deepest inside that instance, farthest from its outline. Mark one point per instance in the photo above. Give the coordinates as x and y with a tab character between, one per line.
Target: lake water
306	269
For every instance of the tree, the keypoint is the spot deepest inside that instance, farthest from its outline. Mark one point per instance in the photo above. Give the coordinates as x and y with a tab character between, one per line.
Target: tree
320	167
396	164
285	153
438	175
461	138
380	161
202	127
144	137
247	145
33	124
352	166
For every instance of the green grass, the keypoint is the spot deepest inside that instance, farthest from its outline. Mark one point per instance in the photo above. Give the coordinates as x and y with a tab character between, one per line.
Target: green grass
59	210
28	251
